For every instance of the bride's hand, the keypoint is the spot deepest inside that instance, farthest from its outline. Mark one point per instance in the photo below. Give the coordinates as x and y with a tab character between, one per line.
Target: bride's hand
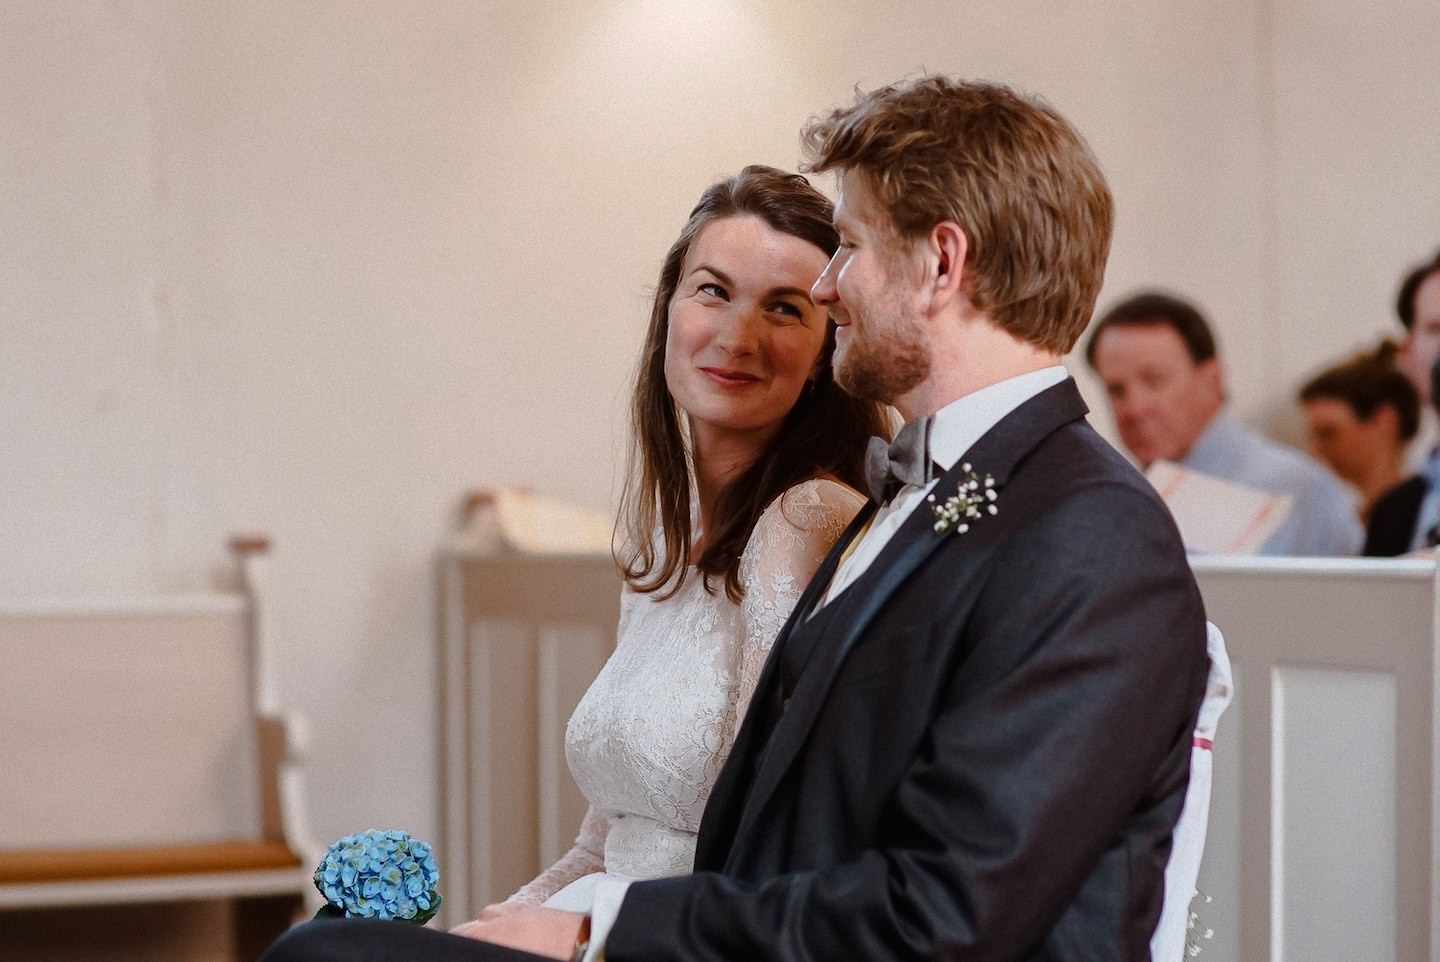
471	929
498	909
474	929
542	931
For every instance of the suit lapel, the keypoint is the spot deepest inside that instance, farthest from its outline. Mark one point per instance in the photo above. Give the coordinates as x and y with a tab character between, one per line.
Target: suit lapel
734	777
826	572
768	683
997	453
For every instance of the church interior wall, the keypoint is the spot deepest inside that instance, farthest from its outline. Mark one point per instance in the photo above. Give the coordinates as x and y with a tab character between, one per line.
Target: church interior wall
318	269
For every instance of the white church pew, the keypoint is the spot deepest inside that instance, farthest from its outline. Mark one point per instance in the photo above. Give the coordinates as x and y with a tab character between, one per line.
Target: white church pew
1322	839
145	765
529	604
1322	830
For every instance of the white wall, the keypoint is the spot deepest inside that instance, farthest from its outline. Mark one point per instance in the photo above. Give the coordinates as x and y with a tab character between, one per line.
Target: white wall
318	268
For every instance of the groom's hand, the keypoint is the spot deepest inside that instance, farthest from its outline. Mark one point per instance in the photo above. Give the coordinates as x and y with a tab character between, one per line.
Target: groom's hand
543	931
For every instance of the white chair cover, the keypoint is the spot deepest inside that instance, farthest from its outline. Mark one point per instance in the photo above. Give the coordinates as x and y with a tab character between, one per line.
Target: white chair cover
1168	942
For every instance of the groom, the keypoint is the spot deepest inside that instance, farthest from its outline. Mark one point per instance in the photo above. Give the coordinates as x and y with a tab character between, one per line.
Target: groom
972	738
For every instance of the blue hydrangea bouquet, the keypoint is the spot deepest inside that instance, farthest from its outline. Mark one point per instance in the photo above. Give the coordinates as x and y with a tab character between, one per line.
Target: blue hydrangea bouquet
378	874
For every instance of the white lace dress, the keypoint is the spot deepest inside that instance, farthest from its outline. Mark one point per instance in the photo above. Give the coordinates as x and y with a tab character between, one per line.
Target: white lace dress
648	739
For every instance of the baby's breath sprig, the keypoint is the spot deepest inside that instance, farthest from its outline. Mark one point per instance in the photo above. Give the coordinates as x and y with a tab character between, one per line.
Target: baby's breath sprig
1195	932
974	499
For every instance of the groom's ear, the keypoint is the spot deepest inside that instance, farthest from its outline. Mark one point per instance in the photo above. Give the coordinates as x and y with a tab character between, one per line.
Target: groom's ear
948	249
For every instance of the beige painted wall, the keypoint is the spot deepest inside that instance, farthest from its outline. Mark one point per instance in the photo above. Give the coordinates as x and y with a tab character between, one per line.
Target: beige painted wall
316	268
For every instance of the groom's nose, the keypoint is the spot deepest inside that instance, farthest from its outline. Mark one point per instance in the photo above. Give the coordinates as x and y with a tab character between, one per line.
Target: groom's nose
823	292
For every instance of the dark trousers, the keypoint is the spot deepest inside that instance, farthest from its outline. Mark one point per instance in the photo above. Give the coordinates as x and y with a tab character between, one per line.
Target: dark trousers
362	940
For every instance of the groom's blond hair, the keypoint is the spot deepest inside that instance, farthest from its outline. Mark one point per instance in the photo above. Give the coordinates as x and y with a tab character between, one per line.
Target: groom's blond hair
1014	174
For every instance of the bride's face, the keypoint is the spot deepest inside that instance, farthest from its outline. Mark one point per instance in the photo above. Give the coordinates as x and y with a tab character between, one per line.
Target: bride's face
743	335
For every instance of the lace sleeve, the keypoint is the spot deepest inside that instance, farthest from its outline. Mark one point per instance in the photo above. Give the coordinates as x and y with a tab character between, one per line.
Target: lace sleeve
586	856
791	538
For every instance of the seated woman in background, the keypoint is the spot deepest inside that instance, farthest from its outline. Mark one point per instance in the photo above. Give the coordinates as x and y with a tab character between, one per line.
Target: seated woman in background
1361	416
1406	519
745	461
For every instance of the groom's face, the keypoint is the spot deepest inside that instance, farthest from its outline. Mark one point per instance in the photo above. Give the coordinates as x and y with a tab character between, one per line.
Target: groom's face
869	289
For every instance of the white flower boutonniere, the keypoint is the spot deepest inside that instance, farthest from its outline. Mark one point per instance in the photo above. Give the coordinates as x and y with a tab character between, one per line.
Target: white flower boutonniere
974	500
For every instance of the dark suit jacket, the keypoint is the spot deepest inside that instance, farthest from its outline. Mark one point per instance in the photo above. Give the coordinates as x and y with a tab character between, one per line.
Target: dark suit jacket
1392	520
986	758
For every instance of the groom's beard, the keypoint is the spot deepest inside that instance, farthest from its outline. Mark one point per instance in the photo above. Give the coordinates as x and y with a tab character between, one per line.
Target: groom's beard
883	357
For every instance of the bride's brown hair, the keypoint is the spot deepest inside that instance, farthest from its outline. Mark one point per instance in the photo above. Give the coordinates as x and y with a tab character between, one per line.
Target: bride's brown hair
824	434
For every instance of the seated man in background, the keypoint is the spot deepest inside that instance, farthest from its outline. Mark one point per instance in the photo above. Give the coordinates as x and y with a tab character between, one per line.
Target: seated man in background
1156	356
1361	414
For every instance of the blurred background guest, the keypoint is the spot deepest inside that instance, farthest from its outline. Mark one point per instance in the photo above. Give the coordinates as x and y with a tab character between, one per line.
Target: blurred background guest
1418	305
1404	519
1407	517
1156	356
1361	415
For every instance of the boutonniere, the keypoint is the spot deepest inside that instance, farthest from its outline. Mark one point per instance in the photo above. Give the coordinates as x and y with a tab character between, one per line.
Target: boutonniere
974	499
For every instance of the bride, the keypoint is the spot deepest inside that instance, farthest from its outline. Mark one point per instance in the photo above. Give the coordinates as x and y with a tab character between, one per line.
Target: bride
744	467
744	470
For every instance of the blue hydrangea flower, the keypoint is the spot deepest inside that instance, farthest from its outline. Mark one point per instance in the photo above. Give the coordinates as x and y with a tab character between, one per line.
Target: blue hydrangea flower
378	874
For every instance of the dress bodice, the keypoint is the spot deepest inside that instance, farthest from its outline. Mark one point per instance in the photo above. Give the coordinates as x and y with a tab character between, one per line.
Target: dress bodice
651	733
649	737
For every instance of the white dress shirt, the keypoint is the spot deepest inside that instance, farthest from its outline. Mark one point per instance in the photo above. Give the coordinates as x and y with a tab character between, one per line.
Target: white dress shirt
956	428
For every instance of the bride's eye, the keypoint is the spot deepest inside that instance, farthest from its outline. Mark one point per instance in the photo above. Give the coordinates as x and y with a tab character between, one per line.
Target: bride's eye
714	290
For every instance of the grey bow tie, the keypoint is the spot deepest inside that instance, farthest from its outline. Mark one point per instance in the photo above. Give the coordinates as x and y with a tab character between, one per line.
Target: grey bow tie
906	460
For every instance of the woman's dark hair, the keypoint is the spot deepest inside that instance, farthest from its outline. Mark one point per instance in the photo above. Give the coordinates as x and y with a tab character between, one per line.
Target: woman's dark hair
825	433
1367	383
1405	298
